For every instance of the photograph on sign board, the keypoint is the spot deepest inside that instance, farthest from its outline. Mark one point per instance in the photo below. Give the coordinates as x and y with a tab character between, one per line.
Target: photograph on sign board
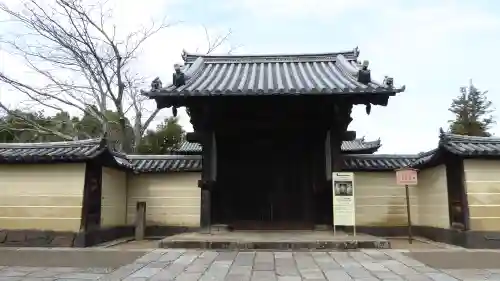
343	188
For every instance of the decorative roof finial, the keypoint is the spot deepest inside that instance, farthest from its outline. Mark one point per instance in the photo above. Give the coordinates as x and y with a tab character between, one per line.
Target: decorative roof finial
441	131
388	81
178	78
356	52
368	108
184	54
156	84
364	75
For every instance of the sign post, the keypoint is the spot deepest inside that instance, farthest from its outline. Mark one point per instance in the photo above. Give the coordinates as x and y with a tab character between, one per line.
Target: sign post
407	177
344	207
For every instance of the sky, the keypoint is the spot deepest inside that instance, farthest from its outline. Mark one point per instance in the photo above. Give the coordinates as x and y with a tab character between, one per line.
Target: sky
431	47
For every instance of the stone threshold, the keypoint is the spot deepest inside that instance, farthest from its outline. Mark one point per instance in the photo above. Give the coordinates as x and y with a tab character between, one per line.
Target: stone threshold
284	245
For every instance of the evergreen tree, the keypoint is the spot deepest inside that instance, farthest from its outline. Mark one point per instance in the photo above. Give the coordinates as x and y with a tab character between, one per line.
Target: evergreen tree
472	110
169	134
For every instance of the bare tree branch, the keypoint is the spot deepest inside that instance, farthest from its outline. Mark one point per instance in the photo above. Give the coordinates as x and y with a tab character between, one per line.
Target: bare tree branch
34	126
77	61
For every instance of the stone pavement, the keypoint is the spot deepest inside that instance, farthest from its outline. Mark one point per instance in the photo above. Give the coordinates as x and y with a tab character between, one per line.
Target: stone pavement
196	265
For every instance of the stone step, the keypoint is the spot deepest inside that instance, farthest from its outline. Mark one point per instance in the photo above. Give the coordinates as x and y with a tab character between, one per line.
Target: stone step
346	244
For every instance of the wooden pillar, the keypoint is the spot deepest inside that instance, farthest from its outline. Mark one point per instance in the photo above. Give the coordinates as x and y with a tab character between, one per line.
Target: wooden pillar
333	152
336	151
308	188
208	178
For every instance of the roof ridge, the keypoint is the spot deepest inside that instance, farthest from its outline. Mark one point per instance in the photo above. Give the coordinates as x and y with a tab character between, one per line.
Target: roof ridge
372	141
383	155
457	137
95	141
162	157
187	55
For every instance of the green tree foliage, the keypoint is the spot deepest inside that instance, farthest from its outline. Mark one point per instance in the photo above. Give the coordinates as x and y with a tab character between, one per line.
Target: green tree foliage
78	55
35	126
169	134
13	128
91	127
472	110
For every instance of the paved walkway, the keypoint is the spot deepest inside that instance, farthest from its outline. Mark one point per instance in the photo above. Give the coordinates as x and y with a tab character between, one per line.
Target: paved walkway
192	265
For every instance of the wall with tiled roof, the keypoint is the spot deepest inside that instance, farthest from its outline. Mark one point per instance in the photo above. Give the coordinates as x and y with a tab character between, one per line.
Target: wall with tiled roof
25	188
355	146
81	151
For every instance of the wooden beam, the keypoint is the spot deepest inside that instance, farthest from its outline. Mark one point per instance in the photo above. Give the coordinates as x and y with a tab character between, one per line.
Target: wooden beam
349	135
194	137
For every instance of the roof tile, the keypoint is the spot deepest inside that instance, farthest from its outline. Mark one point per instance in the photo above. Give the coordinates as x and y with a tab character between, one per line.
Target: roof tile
166	163
377	162
71	150
470	146
83	150
347	146
331	73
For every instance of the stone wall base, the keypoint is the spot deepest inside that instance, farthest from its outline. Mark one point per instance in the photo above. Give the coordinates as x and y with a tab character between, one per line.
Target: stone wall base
36	238
42	238
39	238
468	239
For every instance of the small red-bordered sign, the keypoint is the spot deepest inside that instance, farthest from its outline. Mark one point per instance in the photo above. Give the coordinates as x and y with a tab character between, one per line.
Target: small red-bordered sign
407	176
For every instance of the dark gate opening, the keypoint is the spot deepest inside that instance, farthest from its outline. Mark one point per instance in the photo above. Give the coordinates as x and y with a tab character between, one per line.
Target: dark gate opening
457	196
264	180
91	209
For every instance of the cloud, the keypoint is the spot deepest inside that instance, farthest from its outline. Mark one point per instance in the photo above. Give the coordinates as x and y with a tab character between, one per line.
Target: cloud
434	50
433	47
156	57
297	9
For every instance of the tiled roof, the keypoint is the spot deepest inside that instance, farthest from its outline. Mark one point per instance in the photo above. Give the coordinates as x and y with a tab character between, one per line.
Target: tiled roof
470	146
67	151
377	162
357	145
464	146
360	145
330	73
188	147
71	150
165	163
193	163
84	150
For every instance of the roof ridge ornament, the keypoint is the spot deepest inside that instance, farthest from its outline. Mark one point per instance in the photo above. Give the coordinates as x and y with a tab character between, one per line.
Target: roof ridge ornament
364	74
388	81
156	84
356	52
178	78
368	108
184	54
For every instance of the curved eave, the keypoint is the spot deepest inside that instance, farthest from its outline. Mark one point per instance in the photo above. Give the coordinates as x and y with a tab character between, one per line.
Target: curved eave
167	100
183	94
333	74
370	150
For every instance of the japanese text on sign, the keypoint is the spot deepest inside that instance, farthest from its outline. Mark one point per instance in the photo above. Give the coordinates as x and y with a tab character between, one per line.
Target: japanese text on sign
406	177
